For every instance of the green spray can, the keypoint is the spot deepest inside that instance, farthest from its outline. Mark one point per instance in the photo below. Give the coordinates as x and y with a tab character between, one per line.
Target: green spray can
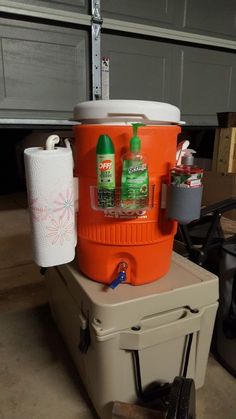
105	172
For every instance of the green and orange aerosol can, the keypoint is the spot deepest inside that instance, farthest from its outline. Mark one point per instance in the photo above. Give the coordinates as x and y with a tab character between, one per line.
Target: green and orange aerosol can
105	154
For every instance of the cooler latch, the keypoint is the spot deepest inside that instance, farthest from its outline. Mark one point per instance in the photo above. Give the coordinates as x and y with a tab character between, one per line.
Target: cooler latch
85	338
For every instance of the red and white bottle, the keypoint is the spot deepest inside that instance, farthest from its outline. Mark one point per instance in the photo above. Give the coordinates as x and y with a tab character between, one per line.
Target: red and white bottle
185	187
186	174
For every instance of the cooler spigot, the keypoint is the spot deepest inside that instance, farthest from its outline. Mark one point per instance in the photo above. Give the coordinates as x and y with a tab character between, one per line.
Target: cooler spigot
122	267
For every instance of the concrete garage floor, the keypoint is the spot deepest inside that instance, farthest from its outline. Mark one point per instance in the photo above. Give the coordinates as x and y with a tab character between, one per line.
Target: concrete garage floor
38	379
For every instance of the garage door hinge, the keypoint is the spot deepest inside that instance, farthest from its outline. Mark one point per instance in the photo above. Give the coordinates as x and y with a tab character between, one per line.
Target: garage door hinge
96	25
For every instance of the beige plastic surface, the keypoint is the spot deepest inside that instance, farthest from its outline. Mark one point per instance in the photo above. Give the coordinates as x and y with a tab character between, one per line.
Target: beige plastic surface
111	310
126	111
163	319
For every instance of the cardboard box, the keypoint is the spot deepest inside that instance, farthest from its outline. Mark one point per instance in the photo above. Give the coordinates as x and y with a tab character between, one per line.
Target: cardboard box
224	155
226	119
219	186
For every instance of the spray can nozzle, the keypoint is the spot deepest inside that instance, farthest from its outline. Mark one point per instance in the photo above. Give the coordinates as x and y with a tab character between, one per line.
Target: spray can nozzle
184	155
187	158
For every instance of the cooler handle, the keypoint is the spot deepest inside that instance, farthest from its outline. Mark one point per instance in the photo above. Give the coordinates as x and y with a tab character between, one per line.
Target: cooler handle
128	115
140	117
141	337
159	390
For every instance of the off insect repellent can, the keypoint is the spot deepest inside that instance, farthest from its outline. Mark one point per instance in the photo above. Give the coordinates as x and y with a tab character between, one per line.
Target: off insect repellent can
105	172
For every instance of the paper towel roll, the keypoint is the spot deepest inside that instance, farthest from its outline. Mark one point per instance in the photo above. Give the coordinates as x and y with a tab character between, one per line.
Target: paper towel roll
49	179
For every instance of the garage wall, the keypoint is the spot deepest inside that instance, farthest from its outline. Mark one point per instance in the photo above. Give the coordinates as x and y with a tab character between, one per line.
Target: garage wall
79	6
43	69
45	64
207	17
200	81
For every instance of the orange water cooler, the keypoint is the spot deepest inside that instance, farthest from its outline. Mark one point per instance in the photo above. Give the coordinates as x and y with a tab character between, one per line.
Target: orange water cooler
141	239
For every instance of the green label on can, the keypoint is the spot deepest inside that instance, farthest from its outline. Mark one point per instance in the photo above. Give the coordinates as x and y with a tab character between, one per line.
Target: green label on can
106	171
106	180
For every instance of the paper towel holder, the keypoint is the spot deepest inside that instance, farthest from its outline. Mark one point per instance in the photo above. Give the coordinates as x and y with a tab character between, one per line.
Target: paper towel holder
54	139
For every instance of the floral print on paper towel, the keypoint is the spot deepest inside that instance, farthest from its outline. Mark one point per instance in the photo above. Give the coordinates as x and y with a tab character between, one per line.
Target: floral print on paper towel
65	204
58	215
39	213
60	231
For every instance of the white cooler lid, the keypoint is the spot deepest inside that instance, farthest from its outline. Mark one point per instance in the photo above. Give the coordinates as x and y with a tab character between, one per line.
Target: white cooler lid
186	284
126	111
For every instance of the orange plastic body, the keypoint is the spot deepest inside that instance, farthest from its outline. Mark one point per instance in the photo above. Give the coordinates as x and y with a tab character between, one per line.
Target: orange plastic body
106	238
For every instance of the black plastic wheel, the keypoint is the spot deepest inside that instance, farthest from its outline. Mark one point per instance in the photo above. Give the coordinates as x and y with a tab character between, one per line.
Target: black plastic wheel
182	402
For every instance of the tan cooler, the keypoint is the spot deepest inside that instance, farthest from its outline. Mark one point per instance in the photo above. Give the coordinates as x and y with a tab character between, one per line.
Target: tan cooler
103	328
